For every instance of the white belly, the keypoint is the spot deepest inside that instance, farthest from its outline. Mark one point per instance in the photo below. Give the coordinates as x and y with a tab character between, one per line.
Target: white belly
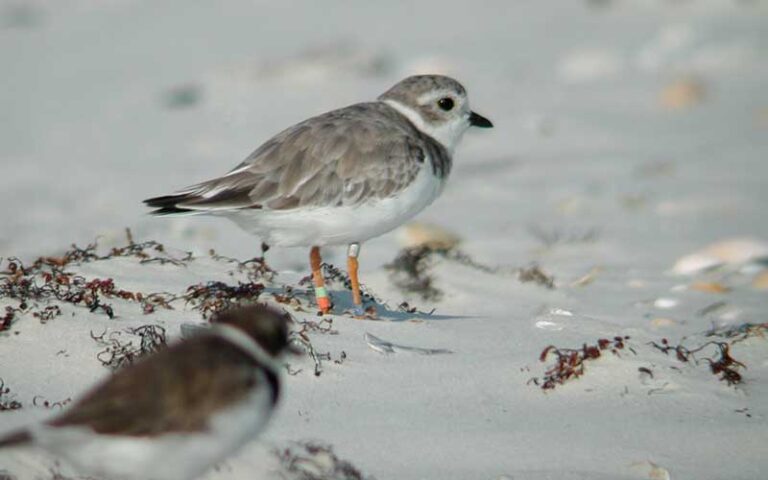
342	225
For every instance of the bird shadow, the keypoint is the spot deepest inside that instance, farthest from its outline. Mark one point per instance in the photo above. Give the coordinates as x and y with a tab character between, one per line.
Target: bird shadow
343	306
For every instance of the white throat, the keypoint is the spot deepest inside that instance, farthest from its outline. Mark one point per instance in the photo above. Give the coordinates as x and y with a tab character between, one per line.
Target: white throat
448	134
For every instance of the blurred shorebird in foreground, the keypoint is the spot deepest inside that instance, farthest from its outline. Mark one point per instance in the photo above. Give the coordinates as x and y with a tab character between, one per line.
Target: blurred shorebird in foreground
175	413
342	177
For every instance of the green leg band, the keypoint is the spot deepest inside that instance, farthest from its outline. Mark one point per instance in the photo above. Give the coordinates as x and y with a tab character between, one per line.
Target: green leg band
320	292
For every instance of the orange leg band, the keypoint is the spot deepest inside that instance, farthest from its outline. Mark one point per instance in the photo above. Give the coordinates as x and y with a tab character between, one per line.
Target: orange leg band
321	294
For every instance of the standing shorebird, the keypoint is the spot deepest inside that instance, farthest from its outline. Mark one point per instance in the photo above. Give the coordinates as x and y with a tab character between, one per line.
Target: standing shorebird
176	413
342	177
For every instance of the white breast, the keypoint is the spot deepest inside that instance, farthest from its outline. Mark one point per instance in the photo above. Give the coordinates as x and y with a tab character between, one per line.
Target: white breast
343	225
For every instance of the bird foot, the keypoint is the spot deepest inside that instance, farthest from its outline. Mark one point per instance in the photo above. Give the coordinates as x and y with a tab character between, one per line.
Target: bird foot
324	305
360	313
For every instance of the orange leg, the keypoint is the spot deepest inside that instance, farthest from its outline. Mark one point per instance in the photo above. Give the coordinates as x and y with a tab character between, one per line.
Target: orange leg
352	253
321	294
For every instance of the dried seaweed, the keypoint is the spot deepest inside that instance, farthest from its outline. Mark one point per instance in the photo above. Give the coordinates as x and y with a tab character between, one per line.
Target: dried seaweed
741	332
570	362
40	401
410	269
35	286
290	297
213	297
7	403
720	363
301	338
118	354
409	272
536	275
308	460
255	268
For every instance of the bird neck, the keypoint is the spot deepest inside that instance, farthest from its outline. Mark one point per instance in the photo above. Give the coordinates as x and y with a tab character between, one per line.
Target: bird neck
448	134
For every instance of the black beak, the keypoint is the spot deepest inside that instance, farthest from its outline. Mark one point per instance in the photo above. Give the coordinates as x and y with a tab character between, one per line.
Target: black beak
479	121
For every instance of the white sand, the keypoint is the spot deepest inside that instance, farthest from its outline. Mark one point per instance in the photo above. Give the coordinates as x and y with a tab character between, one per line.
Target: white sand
582	143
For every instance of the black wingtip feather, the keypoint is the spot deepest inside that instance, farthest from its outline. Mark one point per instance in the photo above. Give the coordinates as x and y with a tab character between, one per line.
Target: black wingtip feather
166	205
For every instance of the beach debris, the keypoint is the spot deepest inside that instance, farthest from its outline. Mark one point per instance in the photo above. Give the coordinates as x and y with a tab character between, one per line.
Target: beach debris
665	303
182	96
731	252
711	308
547	320
587	278
720	363
7	319
741	332
301	338
40	401
255	269
662	322
569	362
290	298
709	287
118	353
6	402
652	470
435	237
33	287
383	346
645	372
310	460
534	274
549	325
760	282
409	272
682	93
213	297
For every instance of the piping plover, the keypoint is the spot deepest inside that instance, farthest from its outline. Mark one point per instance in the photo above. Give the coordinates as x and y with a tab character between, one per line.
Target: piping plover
342	177
175	413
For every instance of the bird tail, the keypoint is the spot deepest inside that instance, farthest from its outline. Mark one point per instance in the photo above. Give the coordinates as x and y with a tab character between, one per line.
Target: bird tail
17	438
168	205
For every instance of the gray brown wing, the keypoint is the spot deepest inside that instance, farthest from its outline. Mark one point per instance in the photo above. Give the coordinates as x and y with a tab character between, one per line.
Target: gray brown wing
344	157
175	390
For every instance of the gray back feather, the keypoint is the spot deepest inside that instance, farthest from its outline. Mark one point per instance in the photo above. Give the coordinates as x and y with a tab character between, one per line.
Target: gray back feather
344	157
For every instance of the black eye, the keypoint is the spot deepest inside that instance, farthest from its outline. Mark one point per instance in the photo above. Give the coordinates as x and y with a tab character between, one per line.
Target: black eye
445	103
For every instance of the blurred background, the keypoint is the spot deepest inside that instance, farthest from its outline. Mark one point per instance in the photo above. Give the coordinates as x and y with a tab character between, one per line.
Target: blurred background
629	135
644	119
